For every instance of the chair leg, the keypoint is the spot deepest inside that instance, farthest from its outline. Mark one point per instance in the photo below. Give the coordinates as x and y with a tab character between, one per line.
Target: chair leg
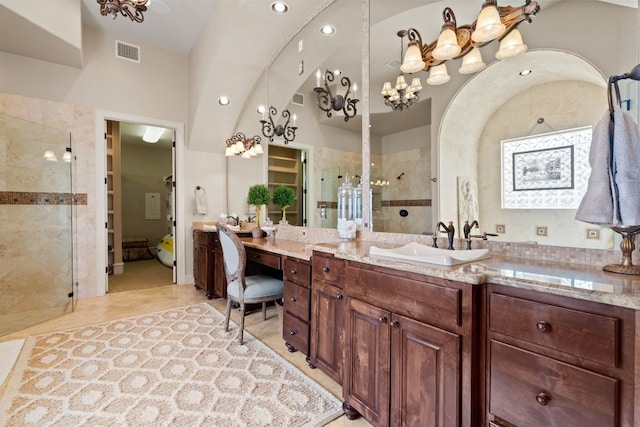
241	330
264	310
226	321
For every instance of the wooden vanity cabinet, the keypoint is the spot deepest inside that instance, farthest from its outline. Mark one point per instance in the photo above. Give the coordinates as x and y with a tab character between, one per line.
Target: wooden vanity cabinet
208	271
413	350
296	304
558	361
327	314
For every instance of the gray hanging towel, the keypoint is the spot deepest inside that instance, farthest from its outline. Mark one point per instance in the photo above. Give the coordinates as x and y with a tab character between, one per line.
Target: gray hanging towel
597	205
626	167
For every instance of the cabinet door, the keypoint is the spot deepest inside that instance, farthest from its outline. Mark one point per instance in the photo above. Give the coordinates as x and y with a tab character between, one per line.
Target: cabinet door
327	324
425	374
200	266
366	381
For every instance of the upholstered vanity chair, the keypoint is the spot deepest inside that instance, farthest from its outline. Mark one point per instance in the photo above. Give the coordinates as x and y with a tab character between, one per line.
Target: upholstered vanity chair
244	290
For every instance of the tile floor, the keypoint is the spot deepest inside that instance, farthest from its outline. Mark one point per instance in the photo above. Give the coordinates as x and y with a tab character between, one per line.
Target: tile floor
135	302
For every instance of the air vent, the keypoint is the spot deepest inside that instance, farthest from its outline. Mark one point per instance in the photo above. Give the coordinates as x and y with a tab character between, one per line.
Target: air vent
127	51
298	99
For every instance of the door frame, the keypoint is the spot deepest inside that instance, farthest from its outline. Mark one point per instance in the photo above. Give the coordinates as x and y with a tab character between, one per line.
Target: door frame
101	208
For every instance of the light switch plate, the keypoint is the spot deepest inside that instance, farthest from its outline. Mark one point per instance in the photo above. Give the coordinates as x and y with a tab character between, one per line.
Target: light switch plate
541	231
500	228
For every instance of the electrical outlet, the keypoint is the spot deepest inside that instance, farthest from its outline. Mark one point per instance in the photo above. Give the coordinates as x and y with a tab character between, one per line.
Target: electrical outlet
541	231
593	234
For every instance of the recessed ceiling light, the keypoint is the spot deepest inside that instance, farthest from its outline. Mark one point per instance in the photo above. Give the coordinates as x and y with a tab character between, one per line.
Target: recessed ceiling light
337	72
279	7
224	100
525	72
328	30
261	109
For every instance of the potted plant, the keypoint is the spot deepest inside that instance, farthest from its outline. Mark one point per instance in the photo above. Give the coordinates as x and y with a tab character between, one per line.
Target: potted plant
284	197
258	196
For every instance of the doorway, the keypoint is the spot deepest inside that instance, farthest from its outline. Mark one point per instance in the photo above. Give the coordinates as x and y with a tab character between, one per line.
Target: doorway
288	167
140	206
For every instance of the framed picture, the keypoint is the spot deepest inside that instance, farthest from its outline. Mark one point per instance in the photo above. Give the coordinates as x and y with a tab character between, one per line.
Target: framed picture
544	169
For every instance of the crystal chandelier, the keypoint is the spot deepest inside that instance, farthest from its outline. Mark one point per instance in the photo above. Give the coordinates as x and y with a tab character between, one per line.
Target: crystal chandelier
131	8
401	96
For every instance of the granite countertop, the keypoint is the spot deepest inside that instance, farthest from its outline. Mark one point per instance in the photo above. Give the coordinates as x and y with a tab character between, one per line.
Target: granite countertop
572	280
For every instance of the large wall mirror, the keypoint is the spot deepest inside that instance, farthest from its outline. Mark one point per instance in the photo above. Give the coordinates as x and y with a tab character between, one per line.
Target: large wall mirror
423	158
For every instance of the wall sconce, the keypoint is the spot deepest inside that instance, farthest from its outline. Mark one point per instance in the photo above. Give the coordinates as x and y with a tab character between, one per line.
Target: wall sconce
329	102
270	129
113	7
494	22
240	145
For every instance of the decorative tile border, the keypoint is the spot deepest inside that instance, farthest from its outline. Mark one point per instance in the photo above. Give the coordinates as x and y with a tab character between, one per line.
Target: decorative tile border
385	203
41	198
414	202
326	204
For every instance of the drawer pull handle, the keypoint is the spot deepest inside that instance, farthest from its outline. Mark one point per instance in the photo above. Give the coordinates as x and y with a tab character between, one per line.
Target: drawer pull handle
292	332
543	326
294	299
382	319
395	323
543	398
325	269
339	296
294	271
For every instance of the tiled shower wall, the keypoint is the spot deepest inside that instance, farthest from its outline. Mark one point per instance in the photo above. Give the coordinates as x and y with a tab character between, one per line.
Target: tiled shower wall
78	121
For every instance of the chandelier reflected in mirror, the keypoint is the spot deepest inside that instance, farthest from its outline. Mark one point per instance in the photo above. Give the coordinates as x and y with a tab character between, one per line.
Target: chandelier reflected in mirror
240	145
401	96
270	129
328	101
131	8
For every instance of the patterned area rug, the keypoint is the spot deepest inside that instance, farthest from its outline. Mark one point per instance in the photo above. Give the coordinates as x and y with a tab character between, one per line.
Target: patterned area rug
171	368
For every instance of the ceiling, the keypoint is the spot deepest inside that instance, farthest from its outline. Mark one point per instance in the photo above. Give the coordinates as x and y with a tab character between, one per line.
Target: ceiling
176	24
185	17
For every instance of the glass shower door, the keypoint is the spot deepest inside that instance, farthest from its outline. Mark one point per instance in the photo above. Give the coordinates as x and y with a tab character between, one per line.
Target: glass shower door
36	223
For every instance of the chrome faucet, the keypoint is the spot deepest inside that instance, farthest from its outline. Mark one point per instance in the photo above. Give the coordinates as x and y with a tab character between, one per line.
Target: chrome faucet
450	230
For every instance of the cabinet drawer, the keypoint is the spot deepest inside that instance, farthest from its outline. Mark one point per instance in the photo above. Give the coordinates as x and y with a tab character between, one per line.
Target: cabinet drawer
574	332
328	269
296	300
200	237
297	272
422	301
527	389
264	258
295	332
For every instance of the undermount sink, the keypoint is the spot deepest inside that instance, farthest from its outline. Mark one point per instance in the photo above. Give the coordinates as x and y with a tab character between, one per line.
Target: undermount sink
418	253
